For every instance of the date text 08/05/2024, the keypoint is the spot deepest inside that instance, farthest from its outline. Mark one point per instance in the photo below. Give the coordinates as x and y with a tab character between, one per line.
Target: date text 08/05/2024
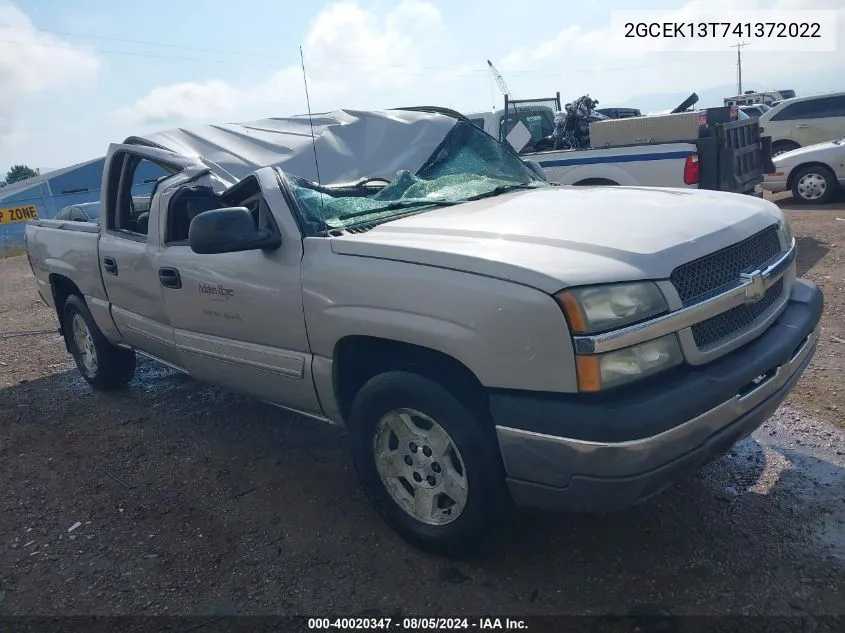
417	624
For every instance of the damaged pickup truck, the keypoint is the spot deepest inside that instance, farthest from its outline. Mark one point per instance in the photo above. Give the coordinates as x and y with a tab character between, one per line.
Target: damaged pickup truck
485	336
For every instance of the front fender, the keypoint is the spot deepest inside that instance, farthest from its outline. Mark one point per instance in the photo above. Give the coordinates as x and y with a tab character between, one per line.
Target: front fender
508	335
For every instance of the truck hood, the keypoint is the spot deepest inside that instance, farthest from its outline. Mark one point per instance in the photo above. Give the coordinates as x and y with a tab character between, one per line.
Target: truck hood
557	237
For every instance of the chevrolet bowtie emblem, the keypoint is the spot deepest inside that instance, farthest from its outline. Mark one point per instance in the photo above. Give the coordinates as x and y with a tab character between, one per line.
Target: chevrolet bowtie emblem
755	288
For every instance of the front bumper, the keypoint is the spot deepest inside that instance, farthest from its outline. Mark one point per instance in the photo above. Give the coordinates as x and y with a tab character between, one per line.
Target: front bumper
774	185
603	453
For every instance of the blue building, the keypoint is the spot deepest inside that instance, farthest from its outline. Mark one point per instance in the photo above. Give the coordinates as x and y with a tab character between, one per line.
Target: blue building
57	189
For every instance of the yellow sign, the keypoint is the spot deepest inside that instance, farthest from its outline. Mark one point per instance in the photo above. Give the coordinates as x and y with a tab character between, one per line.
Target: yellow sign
18	214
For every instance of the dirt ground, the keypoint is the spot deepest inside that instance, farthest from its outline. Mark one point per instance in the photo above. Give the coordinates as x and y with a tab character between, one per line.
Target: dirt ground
821	257
175	497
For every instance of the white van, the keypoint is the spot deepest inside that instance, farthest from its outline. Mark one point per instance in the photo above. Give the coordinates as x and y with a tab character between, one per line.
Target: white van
754	98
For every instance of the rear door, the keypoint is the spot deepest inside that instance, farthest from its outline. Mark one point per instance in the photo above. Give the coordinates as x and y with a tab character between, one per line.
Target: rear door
814	120
128	247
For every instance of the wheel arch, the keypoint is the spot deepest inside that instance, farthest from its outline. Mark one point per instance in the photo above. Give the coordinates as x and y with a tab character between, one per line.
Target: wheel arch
785	141
790	181
62	287
357	358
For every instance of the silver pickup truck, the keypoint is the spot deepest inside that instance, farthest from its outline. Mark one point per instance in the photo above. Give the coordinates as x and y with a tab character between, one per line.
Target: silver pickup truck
484	335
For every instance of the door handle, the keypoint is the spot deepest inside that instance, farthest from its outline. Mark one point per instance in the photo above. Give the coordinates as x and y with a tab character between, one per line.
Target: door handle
110	265
803	126
169	277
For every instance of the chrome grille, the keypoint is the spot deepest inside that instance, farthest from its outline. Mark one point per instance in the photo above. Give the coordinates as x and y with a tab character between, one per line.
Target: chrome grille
718	272
722	326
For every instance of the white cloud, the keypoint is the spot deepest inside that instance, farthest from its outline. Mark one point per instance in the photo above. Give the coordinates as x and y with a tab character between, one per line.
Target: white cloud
186	100
346	48
214	99
372	49
31	63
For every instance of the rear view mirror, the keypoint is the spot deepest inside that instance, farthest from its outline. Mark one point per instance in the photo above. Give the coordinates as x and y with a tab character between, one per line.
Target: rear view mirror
229	230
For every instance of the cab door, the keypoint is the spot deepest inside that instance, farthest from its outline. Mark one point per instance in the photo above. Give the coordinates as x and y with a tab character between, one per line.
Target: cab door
129	245
237	318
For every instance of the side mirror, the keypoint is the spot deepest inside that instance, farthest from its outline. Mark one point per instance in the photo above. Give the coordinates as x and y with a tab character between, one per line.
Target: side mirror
534	166
229	230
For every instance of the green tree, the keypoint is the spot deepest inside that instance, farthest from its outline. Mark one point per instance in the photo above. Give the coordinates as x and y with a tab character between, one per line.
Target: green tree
19	172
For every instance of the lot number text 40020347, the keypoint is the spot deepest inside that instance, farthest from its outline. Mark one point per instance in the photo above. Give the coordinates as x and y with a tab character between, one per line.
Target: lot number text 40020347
417	624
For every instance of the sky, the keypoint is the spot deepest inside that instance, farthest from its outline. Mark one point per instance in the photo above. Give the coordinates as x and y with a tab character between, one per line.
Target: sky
76	75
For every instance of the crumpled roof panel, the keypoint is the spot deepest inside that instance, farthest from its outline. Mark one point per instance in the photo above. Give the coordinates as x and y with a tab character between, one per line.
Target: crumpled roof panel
350	144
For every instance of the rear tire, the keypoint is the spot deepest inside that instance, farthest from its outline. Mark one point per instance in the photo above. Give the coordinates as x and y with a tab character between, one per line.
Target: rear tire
430	466
781	147
102	365
813	184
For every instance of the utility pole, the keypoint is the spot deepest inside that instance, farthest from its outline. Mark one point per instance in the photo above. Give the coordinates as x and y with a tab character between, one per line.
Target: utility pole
738	48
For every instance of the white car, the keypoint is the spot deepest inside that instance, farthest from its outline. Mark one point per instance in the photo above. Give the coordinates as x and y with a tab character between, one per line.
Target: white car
804	121
85	212
814	174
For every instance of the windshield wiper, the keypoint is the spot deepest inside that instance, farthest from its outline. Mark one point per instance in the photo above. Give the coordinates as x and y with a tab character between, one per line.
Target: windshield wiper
503	189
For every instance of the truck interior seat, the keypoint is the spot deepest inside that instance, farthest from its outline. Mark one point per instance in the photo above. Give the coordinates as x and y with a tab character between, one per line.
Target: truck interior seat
187	204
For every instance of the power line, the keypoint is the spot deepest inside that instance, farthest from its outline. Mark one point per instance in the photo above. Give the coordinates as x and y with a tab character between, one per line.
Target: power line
312	61
223	61
128	41
167	45
129	53
544	73
176	46
182	47
340	66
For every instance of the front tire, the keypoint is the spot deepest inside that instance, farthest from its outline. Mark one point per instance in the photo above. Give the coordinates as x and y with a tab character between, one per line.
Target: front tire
428	464
102	365
813	184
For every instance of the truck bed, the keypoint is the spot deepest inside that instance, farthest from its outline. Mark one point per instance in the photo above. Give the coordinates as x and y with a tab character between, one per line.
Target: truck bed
732	154
654	165
67	248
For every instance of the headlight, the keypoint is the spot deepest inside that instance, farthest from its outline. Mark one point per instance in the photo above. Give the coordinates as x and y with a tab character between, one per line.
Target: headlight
602	371
601	308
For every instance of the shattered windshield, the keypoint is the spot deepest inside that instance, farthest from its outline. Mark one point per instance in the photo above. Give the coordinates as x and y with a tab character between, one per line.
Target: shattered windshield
468	165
